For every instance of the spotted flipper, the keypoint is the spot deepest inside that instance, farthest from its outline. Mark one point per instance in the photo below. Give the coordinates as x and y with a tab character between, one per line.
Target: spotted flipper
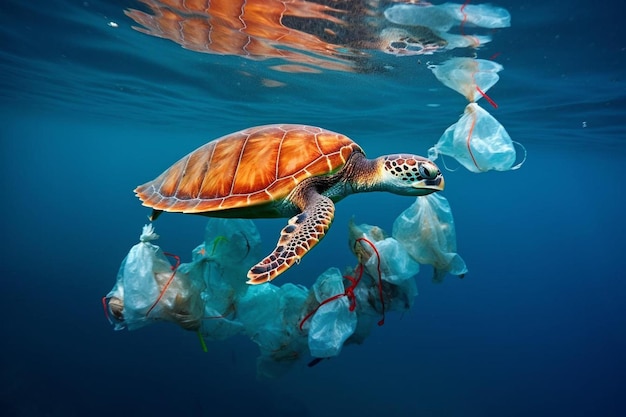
302	232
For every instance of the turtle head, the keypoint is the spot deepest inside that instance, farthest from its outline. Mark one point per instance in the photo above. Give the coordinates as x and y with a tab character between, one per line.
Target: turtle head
407	174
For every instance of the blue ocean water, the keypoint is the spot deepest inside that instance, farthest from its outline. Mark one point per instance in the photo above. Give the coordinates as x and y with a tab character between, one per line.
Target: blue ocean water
537	327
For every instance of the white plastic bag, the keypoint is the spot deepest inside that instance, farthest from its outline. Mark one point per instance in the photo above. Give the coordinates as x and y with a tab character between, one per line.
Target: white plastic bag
434	17
426	230
454	41
481	15
478	142
388	265
442	17
333	322
270	315
149	289
469	77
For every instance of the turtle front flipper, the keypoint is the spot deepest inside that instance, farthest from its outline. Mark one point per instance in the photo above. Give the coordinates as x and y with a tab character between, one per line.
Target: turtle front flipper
302	232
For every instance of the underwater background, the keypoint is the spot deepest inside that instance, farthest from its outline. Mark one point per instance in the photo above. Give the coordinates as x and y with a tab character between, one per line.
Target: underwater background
90	108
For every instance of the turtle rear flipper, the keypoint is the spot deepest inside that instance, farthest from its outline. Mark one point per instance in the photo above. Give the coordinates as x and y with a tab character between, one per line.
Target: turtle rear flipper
301	234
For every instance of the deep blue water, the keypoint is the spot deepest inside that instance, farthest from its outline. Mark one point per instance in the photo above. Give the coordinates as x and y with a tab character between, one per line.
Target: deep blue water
537	327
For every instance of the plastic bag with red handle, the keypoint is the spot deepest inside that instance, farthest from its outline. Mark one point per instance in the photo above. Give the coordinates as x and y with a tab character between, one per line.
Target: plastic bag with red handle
149	288
478	142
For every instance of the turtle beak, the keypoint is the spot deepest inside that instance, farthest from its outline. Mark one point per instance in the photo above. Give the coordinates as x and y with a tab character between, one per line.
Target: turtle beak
431	186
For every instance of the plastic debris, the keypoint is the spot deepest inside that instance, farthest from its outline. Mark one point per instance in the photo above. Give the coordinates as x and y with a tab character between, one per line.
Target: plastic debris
209	295
149	289
333	322
229	248
270	315
481	15
386	258
440	19
463	41
435	17
478	142
469	77
444	16
426	230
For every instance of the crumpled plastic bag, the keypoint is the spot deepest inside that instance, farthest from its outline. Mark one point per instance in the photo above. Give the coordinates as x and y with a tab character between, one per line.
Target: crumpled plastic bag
398	270
147	289
391	260
431	16
333	322
289	344
482	15
468	76
270	315
478	142
426	230
236	243
454	41
231	246
443	16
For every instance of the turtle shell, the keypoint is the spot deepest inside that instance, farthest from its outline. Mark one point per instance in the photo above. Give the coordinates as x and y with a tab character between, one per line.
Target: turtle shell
253	167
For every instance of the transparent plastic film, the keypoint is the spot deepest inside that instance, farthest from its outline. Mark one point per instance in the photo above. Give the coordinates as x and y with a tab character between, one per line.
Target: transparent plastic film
471	78
478	142
426	230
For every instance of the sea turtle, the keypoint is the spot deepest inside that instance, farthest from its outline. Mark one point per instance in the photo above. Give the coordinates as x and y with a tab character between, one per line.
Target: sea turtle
283	170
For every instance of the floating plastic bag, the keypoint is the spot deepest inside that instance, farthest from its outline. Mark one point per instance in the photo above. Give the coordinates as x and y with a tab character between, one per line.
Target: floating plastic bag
426	230
358	288
271	315
469	77
478	142
398	271
463	41
434	17
386	259
481	15
333	322
231	246
257	308
290	344
442	17
148	289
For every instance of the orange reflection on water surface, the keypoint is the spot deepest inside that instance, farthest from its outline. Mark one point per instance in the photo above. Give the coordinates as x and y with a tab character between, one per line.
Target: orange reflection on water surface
256	29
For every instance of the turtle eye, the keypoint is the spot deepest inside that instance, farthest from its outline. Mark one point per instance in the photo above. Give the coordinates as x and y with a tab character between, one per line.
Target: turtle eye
428	171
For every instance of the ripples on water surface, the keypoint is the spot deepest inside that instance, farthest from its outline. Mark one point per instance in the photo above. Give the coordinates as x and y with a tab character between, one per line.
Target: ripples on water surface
68	53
